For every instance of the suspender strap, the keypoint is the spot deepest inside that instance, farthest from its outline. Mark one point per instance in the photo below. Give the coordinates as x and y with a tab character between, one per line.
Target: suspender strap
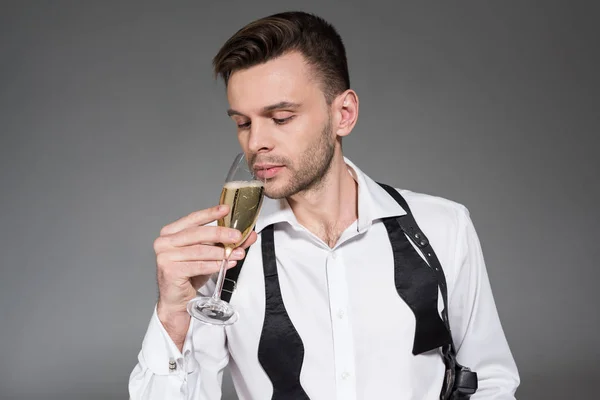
459	382
280	350
417	285
409	226
231	277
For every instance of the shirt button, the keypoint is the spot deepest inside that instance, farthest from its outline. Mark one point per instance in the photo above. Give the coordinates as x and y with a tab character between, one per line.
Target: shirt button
333	255
340	314
345	375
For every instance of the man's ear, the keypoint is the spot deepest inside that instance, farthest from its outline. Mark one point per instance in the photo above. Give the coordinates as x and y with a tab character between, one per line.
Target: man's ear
345	109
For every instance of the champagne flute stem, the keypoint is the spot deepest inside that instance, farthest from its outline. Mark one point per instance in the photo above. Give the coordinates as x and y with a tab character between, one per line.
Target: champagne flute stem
221	278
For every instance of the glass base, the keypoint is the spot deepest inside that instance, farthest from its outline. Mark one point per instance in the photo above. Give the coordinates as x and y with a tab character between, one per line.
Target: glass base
213	312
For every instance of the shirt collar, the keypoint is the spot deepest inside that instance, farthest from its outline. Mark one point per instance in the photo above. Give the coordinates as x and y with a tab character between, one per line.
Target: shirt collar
373	203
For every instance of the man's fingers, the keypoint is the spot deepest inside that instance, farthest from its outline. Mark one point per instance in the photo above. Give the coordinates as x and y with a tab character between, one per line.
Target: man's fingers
250	240
196	218
204	234
190	269
201	252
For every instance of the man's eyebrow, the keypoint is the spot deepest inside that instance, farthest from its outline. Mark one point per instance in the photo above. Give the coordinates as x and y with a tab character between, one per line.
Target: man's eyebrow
267	109
280	105
232	112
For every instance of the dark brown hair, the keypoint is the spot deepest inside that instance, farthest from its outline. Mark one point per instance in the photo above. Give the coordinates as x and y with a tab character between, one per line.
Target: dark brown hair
273	36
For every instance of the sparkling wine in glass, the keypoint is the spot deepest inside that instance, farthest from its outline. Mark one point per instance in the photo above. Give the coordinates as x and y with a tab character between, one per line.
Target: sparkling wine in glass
243	193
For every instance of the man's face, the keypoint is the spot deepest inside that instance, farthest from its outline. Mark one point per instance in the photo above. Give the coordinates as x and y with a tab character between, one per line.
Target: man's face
283	124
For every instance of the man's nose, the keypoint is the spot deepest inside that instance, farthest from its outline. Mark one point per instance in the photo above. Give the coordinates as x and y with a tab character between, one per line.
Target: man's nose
261	139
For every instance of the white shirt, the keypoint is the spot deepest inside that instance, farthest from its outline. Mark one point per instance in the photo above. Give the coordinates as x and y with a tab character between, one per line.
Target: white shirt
356	330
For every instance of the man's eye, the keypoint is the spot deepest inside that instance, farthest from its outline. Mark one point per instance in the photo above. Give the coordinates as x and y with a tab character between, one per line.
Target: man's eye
244	125
281	121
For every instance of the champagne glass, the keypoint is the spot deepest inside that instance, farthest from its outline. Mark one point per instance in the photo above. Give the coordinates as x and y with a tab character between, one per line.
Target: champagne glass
243	193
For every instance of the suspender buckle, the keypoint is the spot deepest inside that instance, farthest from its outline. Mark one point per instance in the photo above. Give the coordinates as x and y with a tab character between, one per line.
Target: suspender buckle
233	286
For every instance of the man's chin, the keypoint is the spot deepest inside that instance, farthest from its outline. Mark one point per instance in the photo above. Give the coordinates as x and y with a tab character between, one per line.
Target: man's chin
275	191
275	195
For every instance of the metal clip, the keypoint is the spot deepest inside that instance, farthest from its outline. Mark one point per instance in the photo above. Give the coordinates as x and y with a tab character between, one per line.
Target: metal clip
234	286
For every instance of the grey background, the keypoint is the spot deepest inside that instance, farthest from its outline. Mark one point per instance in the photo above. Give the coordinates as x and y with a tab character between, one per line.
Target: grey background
112	127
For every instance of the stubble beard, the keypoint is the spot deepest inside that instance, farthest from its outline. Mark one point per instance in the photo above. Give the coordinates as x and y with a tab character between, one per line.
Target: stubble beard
313	167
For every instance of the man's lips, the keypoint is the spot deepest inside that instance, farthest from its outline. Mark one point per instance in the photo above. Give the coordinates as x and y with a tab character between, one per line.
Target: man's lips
267	171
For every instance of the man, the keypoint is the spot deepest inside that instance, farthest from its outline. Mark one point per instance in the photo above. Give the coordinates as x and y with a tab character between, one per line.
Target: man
332	324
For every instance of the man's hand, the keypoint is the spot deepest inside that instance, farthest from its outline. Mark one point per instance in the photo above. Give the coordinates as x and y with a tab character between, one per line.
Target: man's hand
187	254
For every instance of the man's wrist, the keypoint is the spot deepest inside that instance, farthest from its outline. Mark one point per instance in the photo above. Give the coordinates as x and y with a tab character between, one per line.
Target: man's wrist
175	322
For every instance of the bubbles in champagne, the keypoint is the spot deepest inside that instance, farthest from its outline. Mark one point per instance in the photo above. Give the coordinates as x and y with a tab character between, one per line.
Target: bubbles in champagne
241	184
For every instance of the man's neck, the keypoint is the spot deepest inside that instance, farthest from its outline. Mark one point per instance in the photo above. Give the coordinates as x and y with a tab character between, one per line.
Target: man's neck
328	209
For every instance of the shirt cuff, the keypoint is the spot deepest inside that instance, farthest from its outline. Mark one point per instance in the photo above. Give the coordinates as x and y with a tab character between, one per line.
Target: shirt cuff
160	352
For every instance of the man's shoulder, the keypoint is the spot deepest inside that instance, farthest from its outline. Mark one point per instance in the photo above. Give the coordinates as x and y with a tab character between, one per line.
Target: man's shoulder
438	210
442	220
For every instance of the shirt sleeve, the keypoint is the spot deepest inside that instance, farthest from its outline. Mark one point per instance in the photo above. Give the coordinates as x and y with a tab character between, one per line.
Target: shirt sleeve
164	372
476	328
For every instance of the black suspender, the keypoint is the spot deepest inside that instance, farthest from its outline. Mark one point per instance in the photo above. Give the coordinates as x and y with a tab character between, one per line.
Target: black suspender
280	350
417	285
460	382
231	277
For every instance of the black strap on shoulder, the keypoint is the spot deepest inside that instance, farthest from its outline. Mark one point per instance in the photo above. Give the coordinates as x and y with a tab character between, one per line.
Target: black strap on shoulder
409	226
417	285
459	382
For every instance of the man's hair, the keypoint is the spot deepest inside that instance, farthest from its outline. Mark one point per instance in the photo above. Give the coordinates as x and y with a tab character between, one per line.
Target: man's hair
273	36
